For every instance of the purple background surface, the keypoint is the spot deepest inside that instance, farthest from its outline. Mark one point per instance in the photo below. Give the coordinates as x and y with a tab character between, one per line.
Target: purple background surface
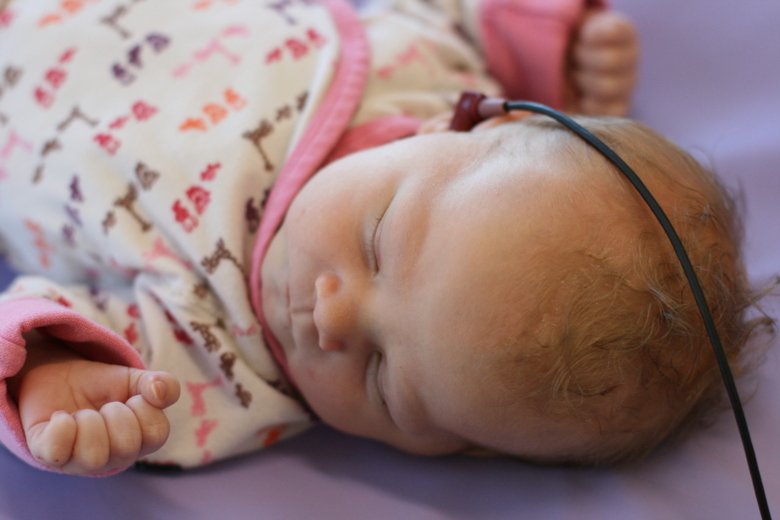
710	80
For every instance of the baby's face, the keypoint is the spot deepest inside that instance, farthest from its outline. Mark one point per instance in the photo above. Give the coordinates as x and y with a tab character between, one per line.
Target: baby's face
395	280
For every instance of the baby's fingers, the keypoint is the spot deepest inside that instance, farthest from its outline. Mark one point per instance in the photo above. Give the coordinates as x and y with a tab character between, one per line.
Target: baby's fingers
607	28
160	389
51	442
91	450
606	44
154	425
605	87
124	434
606	59
76	444
593	106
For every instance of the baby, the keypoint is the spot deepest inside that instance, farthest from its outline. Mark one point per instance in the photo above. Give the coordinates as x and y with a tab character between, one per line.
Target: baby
501	290
558	326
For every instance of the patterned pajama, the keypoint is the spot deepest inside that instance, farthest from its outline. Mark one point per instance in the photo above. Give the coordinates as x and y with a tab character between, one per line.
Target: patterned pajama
139	143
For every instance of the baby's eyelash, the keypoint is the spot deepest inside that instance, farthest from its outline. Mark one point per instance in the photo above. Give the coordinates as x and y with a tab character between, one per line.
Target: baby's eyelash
377	368
375	260
372	245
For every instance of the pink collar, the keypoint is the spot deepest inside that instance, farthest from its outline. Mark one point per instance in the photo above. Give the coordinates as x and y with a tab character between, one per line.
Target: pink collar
326	138
322	133
368	135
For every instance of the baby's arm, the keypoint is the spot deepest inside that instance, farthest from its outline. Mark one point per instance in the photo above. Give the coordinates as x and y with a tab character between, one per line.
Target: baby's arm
85	417
570	54
602	66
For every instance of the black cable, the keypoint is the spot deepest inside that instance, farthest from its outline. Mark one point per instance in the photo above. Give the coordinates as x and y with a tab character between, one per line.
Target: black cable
690	274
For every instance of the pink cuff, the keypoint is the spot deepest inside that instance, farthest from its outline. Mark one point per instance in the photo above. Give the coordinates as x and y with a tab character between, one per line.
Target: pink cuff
525	43
83	336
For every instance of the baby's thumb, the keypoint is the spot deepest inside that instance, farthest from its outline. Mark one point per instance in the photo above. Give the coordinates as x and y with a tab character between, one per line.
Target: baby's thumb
606	28
159	389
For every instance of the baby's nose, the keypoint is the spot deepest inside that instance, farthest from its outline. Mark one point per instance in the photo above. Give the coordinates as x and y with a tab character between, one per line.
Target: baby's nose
334	312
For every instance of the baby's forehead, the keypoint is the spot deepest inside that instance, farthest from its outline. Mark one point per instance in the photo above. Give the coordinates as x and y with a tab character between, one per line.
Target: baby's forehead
535	220
548	186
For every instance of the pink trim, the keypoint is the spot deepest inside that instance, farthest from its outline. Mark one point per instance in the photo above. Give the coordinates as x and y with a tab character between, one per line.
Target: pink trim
374	133
323	132
83	336
525	44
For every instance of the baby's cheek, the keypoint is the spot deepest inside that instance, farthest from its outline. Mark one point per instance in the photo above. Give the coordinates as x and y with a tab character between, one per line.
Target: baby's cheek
309	379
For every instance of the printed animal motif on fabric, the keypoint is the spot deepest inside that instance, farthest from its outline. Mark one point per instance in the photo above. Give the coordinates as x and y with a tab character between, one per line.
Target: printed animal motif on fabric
265	128
217	46
139	143
125	72
45	91
63	11
10	77
114	20
156	173
425	66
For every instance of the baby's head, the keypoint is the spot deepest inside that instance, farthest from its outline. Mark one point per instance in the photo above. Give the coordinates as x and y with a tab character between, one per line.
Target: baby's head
506	290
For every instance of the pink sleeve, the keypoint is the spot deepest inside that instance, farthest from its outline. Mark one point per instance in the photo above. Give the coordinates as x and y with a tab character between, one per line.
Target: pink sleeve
89	339
525	44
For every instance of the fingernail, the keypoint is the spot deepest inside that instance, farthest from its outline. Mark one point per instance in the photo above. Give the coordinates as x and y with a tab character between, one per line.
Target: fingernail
158	389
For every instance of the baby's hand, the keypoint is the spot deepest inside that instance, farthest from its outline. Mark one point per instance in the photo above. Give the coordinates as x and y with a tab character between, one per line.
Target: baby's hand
83	417
602	65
